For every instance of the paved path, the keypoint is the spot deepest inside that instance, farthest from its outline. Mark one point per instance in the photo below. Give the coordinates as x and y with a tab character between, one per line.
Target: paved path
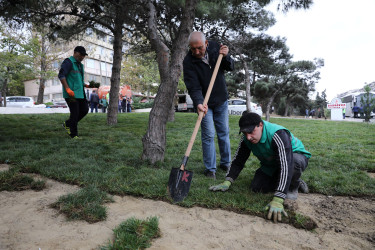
12	110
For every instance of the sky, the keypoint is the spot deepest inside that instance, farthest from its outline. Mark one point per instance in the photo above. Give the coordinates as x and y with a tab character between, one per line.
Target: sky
342	32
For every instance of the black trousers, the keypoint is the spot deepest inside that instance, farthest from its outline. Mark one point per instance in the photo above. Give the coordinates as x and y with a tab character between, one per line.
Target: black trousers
264	183
78	109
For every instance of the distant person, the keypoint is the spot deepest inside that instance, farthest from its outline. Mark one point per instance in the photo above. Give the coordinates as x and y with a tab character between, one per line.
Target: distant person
94	101
198	67
123	104
361	113
71	76
104	103
307	113
282	158
312	113
119	105
129	104
343	113
355	110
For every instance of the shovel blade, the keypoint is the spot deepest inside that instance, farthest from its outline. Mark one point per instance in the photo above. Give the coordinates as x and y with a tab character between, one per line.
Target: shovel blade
179	183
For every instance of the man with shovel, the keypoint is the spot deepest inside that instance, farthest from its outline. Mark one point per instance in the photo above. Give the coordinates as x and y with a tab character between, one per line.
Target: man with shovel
198	67
282	157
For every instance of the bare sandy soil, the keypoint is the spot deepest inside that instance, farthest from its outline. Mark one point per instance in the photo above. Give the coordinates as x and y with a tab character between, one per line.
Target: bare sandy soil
27	222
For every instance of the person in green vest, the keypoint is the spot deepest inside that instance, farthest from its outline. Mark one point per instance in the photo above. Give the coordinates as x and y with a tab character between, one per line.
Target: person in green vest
282	158
104	103
71	76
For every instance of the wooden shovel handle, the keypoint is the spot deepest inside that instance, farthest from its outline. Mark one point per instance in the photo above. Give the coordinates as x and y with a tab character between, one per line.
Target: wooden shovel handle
200	116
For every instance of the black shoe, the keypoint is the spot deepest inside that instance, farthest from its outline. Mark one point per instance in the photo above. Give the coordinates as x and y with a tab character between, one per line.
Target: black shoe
303	187
223	167
210	174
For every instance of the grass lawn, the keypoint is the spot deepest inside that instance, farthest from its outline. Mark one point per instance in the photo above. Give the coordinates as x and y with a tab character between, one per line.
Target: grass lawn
109	158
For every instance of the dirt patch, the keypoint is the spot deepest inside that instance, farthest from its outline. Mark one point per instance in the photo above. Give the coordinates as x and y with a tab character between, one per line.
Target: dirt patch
27	222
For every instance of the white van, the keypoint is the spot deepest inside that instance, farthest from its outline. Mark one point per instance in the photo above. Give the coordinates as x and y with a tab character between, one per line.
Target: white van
20	101
238	106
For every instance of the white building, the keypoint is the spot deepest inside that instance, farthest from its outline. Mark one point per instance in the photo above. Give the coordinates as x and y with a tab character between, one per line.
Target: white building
98	66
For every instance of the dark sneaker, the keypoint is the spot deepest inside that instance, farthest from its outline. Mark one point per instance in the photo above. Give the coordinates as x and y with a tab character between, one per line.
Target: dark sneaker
223	167
303	187
210	174
67	129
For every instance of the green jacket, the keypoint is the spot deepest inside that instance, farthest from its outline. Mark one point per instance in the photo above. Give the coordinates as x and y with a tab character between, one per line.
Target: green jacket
103	102
75	80
263	150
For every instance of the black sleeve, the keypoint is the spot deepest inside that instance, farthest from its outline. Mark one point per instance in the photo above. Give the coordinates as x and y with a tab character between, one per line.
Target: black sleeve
282	147
238	162
227	63
66	67
192	83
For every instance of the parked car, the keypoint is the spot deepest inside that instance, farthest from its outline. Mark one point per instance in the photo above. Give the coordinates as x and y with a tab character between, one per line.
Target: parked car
184	103
58	104
20	101
238	106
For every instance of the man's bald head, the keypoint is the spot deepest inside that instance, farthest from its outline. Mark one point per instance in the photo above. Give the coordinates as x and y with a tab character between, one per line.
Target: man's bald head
196	36
197	44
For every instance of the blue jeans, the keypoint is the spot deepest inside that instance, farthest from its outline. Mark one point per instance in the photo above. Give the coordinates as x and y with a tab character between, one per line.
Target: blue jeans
94	105
216	118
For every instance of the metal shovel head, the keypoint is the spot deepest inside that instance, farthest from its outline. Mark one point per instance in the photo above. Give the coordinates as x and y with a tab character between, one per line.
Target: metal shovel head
179	183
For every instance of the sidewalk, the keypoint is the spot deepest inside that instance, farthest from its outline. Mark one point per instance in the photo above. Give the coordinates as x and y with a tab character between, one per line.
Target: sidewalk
347	119
11	110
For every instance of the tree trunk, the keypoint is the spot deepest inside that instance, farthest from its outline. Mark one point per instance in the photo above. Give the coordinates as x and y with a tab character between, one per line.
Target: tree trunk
287	105
116	69
4	91
170	67
43	69
171	113
269	104
248	84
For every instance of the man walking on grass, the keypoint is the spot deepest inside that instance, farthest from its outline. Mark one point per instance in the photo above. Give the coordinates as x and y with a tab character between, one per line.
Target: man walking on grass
282	157
71	76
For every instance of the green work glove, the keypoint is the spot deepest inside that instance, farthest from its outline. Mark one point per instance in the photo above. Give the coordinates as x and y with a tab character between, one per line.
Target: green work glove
275	208
221	187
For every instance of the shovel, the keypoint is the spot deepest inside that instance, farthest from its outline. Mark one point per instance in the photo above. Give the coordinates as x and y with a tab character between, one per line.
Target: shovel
179	178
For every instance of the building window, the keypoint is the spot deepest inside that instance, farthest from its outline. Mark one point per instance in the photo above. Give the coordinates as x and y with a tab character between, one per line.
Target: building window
55	65
89	32
91	77
102	51
57	96
90	63
102	66
55	82
101	36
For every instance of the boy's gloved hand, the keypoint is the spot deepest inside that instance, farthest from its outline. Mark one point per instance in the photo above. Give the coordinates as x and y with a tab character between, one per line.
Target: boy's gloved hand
275	208
221	187
70	92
